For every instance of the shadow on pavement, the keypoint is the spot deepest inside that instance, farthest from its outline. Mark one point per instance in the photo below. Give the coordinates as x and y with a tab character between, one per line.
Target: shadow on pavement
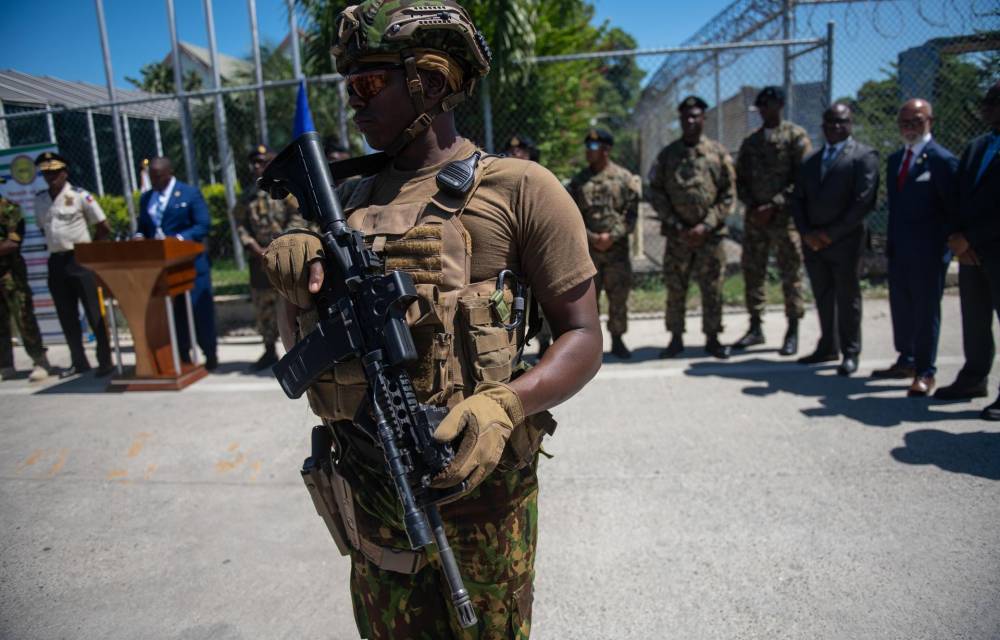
879	404
976	454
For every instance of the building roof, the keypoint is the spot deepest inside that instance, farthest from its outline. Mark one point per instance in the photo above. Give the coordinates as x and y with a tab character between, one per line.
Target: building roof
229	67
42	91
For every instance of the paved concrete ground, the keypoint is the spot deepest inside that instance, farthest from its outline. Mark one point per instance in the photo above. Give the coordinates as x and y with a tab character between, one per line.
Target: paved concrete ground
687	499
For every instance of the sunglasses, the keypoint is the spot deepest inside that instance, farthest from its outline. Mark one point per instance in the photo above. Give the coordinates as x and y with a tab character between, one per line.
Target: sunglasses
369	83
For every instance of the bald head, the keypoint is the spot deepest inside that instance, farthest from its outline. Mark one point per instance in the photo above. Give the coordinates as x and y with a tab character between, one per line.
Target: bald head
161	170
914	119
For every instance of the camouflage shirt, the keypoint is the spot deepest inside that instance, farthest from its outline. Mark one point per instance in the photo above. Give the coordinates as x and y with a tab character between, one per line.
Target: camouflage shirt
261	218
768	160
609	200
11	228
692	185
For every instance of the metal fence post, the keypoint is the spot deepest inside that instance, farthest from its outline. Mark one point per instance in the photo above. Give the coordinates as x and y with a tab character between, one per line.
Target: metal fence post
258	72
130	157
4	136
719	134
98	174
115	122
342	111
222	139
51	124
487	106
293	34
158	136
183	106
828	51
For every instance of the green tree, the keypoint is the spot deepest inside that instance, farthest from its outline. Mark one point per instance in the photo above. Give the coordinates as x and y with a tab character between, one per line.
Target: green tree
158	77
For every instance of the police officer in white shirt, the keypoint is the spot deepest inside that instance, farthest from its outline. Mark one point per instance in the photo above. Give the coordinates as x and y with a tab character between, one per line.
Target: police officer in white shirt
64	214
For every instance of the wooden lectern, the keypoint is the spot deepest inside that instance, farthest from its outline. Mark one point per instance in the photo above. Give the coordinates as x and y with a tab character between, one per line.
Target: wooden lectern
144	275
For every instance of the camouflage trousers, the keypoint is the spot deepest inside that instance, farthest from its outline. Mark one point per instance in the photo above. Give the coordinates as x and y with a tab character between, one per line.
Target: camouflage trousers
493	532
707	264
614	275
757	243
265	306
16	305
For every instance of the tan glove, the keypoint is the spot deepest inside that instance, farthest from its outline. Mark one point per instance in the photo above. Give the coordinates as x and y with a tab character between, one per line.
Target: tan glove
487	417
287	261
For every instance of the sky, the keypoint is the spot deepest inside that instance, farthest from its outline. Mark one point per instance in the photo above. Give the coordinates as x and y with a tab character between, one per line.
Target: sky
60	38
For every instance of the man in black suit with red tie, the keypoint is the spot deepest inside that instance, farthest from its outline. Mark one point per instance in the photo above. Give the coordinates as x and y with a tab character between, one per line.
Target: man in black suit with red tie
834	191
975	239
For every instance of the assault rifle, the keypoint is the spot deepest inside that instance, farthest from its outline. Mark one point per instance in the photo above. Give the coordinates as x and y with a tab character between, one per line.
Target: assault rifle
362	315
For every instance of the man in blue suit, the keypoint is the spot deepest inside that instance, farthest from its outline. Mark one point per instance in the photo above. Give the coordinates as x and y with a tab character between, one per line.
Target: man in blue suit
975	239
920	179
174	209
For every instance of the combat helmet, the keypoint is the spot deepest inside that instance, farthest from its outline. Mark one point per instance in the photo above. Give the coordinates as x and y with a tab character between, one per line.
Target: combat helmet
404	27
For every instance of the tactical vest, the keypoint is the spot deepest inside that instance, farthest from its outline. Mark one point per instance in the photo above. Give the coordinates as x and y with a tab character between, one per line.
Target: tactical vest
456	327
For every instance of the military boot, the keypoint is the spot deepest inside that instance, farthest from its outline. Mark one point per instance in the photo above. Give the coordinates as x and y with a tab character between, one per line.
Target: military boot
716	349
675	347
790	345
619	349
269	359
8	373
754	336
41	370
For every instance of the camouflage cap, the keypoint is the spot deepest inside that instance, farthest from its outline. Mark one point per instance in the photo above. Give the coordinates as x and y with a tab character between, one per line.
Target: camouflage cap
394	26
51	161
691	102
599	135
770	93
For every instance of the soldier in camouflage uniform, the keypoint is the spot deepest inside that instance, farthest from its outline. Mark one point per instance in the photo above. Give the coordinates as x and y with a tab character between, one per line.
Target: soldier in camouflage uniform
765	176
407	64
15	297
692	187
261	219
608	197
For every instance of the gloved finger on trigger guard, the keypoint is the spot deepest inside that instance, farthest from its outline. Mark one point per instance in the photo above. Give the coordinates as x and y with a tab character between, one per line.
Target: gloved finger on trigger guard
287	261
485	421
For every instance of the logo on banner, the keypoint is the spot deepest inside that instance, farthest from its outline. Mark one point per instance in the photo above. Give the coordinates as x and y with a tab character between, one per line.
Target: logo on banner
22	169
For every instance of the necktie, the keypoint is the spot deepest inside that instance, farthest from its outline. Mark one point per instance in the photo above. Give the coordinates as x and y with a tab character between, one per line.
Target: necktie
828	157
991	151
904	170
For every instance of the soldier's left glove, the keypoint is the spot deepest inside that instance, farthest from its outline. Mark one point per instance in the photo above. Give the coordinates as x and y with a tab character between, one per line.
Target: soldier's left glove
485	420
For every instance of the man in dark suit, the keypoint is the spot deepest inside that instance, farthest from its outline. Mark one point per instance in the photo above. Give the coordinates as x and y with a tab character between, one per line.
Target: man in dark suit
834	190
975	239
921	179
174	209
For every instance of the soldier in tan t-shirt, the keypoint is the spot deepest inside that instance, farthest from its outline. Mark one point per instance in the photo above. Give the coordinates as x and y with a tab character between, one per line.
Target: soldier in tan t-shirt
516	216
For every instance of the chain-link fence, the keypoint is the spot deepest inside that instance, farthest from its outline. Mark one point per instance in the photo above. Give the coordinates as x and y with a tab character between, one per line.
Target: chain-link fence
872	54
152	126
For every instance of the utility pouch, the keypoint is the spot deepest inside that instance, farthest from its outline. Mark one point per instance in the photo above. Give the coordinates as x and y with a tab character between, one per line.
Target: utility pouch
526	440
490	349
318	477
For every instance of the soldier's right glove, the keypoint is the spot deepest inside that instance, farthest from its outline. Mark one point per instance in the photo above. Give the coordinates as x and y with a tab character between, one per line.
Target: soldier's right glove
485	421
287	261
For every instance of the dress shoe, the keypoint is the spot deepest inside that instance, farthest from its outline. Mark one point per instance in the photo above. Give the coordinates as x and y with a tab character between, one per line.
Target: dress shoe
674	348
8	373
716	349
848	366
959	391
922	387
991	412
790	345
269	359
211	362
104	370
817	357
897	371
75	370
618	348
753	336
